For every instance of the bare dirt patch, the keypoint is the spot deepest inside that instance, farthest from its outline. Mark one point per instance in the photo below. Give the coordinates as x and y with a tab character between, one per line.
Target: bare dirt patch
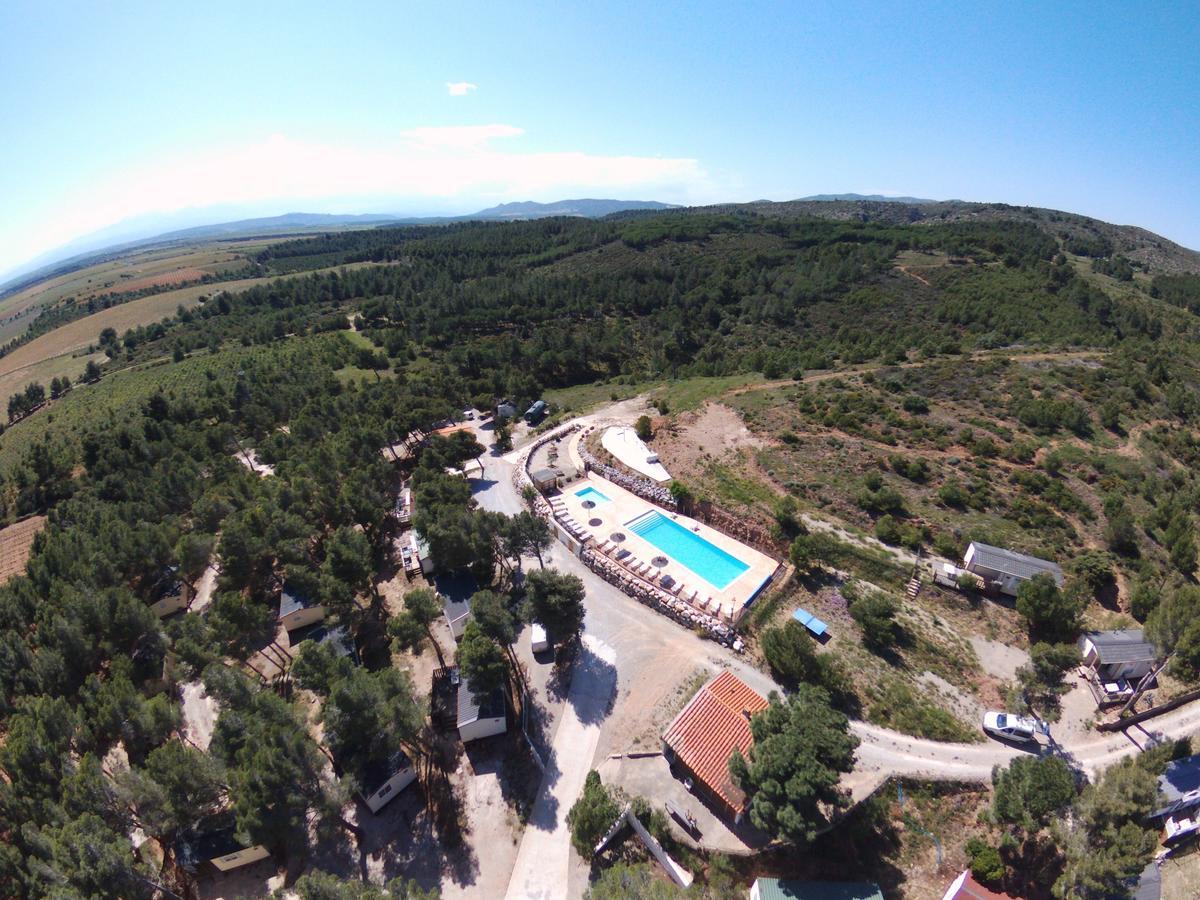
997	659
693	439
16	542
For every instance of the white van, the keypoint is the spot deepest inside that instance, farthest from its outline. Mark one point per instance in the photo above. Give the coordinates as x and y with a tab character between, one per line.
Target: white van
537	638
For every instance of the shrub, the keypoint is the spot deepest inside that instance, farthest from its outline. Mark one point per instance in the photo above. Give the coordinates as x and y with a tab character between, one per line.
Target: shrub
876	616
887	529
900	707
880	500
915	405
953	494
642	428
1144	600
793	660
946	545
986	864
913	469
592	815
787	517
1047	609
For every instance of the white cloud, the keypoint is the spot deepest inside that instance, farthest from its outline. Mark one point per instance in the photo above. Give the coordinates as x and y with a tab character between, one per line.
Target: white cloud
460	88
453	167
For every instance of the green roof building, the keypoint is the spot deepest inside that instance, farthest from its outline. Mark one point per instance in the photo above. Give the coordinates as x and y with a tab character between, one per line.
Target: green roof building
779	889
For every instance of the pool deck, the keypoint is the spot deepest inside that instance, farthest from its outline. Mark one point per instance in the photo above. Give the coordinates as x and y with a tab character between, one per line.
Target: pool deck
623	507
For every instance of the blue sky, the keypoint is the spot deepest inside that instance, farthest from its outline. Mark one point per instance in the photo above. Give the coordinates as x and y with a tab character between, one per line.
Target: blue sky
113	111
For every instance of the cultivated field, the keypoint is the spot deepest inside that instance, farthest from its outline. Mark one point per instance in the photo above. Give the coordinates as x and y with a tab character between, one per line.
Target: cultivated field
69	365
15	543
138	271
16	368
50	355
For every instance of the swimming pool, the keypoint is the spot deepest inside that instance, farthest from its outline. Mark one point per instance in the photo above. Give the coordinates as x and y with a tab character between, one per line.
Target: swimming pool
687	548
590	493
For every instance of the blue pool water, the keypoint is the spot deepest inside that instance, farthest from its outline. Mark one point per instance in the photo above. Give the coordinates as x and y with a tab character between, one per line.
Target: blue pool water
590	493
687	548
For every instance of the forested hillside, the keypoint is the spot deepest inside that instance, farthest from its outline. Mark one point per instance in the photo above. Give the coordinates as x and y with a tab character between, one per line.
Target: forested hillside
140	476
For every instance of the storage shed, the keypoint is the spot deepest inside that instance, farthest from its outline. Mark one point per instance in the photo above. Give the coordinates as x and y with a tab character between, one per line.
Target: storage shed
545	480
458	614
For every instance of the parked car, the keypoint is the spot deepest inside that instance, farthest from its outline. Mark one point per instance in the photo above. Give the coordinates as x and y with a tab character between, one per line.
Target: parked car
537	638
1010	727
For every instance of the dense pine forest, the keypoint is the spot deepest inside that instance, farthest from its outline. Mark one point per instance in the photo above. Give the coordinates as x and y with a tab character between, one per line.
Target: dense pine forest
140	475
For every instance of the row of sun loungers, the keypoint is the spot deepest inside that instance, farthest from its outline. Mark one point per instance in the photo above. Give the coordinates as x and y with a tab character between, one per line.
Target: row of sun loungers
677	593
573	528
717	624
646	572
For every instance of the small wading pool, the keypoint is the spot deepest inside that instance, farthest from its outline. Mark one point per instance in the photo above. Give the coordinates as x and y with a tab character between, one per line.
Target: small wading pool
590	493
687	548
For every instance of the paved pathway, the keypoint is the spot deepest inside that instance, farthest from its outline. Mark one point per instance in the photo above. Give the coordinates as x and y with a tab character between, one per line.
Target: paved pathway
543	866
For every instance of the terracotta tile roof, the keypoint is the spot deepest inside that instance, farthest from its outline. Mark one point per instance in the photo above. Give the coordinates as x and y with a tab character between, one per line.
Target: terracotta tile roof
706	731
964	887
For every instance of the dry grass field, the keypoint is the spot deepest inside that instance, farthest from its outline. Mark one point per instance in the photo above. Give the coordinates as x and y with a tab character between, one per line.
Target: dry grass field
78	335
15	543
70	365
135	272
60	351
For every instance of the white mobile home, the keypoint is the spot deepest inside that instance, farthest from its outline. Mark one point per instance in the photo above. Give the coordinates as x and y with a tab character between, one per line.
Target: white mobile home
1118	655
480	718
218	846
1006	571
382	781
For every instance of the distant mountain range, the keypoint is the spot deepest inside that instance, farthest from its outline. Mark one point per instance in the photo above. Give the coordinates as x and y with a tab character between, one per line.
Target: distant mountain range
164	229
591	209
874	198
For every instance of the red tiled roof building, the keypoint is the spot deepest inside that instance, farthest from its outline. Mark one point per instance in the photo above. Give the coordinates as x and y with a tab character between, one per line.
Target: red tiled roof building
705	733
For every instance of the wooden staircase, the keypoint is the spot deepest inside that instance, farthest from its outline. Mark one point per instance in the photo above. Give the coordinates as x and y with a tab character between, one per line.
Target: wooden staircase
914	586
